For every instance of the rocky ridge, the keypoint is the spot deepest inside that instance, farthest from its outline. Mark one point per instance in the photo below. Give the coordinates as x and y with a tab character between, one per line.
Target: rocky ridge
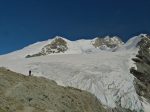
141	72
56	46
61	45
107	43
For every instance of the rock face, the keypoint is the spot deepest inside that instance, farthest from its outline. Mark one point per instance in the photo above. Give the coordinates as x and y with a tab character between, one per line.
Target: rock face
19	93
107	43
142	73
56	46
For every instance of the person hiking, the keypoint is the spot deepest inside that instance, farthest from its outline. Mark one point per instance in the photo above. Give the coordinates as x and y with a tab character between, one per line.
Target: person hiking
29	72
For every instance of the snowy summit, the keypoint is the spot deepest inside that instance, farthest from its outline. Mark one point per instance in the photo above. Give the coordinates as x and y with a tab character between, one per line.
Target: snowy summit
100	66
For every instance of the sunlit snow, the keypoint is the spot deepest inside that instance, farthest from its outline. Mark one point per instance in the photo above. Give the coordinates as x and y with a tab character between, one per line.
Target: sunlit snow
105	74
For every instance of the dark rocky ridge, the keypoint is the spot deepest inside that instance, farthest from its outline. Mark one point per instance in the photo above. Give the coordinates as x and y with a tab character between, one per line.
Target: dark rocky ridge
142	73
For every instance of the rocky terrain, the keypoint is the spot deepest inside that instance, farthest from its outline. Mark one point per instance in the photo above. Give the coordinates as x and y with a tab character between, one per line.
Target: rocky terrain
56	46
142	72
59	45
107	43
19	93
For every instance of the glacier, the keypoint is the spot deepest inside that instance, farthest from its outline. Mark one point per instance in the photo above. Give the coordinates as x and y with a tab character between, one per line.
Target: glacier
105	74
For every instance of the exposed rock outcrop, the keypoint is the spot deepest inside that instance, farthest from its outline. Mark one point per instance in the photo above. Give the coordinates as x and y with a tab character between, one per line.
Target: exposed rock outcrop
142	72
58	45
107	43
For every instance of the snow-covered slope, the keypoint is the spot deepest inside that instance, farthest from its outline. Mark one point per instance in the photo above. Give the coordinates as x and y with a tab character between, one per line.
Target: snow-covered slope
132	43
51	47
105	74
19	93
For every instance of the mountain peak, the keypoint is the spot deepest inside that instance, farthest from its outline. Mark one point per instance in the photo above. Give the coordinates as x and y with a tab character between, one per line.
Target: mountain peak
61	45
132	43
107	72
56	37
60	37
107	43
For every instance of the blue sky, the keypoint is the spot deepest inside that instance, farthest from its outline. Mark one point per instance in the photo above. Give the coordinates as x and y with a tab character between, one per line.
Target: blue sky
23	22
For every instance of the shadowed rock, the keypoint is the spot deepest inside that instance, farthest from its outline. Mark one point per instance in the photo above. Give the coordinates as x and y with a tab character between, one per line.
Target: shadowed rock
142	73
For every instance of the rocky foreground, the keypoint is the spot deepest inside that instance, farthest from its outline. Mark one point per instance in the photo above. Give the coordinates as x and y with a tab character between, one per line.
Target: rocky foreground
19	93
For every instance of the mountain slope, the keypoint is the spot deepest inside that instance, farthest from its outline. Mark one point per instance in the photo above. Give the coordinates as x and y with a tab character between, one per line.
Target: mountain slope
60	45
141	72
108	43
132	43
19	93
105	74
